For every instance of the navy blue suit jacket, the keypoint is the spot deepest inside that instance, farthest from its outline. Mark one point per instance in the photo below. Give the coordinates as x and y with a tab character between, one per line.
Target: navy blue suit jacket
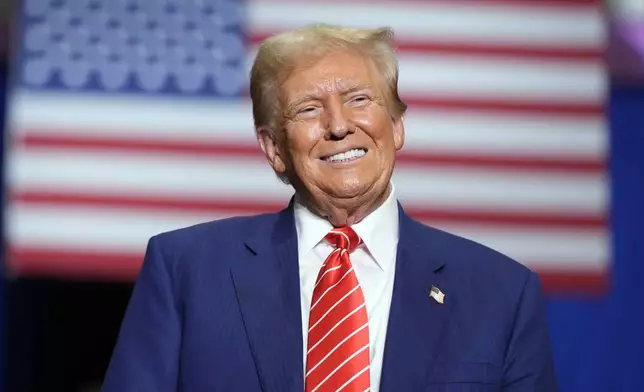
216	307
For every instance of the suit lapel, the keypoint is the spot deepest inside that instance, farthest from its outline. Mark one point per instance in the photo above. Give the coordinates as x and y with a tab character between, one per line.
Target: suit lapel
416	321
268	291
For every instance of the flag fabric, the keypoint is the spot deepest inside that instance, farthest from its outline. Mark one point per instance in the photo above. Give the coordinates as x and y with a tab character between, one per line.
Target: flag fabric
438	295
129	118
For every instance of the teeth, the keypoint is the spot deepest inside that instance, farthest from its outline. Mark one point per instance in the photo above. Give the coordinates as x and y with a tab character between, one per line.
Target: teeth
345	156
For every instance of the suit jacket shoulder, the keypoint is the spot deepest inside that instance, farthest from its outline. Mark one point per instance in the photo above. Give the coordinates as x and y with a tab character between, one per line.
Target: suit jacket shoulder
472	261
221	236
202	255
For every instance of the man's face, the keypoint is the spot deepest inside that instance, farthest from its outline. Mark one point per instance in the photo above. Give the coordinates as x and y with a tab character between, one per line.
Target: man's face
339	139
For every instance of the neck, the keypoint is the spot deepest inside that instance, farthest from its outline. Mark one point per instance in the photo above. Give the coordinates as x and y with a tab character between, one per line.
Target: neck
345	212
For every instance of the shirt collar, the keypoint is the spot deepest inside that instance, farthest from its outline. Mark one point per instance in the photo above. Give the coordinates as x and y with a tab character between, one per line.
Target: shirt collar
378	230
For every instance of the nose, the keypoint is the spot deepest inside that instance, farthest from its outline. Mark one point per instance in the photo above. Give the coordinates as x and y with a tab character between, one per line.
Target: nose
339	121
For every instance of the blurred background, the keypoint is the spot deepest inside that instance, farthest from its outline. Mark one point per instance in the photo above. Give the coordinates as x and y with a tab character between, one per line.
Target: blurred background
126	118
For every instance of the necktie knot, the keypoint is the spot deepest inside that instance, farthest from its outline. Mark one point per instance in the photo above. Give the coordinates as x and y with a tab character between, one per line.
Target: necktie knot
344	238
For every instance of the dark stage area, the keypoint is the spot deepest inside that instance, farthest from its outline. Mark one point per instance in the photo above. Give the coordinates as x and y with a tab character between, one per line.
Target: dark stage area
59	335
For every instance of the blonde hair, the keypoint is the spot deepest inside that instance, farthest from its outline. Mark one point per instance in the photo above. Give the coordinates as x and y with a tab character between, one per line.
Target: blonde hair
279	54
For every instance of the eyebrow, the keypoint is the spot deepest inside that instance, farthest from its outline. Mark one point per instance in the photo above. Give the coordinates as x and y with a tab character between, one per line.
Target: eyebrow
354	88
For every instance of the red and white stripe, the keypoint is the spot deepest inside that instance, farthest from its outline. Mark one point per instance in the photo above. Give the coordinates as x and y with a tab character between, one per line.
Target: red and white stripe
338	356
506	143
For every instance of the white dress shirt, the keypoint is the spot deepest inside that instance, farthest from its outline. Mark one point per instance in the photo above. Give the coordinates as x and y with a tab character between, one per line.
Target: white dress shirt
374	262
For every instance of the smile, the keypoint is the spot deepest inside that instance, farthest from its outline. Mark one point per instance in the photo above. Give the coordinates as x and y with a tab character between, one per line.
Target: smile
346	156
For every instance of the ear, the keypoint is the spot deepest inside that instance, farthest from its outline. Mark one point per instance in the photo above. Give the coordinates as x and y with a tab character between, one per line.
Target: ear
399	132
269	144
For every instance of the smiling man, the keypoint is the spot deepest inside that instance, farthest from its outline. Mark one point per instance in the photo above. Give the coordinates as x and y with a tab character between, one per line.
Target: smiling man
340	291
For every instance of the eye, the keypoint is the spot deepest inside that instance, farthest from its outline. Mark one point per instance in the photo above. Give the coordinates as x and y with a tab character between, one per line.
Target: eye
359	99
308	111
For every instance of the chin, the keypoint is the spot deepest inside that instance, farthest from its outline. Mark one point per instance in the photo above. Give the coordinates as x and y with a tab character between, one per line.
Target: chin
352	187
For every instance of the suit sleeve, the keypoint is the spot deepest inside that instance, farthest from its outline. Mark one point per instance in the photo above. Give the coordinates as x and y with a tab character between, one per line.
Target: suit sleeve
528	363
146	355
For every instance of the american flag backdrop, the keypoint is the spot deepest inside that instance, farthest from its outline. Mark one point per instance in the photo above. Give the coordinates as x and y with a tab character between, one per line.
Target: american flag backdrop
130	117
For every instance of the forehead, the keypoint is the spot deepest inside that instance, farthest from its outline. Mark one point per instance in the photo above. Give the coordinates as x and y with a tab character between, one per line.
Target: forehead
335	72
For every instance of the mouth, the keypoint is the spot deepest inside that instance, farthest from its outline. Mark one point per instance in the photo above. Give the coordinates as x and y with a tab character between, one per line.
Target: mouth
347	156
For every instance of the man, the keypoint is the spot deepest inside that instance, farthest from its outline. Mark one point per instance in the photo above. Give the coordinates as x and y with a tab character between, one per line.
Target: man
340	291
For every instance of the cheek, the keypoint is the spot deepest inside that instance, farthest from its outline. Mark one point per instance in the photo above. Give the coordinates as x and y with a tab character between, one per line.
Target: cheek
376	122
302	139
365	118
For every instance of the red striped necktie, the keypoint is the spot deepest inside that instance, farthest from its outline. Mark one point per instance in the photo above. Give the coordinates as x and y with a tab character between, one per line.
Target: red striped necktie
338	338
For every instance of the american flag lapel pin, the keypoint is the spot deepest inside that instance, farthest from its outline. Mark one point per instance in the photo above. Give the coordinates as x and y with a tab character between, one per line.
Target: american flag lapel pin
437	294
